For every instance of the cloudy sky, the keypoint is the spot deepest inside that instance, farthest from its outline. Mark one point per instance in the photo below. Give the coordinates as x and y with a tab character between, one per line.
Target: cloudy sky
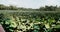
30	3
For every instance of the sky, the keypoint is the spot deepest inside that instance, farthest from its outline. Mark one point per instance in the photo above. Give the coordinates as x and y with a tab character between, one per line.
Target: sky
30	3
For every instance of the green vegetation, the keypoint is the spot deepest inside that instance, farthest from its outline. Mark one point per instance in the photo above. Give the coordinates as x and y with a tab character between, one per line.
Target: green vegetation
46	8
30	21
33	22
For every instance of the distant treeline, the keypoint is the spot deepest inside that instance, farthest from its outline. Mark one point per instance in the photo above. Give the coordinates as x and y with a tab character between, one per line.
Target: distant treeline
46	8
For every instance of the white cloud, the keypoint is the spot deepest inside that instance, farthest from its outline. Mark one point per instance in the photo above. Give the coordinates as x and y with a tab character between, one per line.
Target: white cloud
52	2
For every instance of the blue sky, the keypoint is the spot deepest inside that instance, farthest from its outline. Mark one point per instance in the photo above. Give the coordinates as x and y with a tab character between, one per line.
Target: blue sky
30	3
